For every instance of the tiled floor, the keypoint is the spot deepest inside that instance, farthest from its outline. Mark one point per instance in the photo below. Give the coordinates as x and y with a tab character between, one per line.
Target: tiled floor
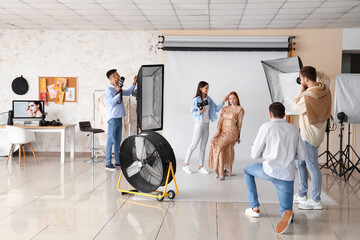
77	200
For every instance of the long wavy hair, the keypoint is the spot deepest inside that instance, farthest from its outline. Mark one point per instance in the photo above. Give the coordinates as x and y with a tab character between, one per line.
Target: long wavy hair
38	103
200	85
237	97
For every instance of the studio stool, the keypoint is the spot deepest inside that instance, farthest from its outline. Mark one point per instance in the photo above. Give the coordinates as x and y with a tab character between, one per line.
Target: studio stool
86	127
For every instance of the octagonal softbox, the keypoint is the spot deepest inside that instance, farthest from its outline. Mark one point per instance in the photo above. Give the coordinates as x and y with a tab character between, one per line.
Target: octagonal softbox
150	95
281	75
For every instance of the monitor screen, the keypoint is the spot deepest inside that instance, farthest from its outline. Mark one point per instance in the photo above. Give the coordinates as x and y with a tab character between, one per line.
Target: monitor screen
28	109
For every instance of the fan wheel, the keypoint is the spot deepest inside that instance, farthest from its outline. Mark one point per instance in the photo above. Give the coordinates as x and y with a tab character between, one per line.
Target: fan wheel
160	199
171	194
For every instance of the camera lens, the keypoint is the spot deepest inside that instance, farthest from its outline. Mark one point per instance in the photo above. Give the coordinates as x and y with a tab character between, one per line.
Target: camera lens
298	80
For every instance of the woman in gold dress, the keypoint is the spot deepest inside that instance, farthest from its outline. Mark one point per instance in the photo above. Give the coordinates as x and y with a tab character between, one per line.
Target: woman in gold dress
221	153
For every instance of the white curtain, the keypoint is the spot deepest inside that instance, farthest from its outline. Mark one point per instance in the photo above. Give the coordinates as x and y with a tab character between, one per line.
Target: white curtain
225	72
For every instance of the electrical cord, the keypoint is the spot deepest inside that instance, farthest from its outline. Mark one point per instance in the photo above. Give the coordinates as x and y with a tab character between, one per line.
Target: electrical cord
332	124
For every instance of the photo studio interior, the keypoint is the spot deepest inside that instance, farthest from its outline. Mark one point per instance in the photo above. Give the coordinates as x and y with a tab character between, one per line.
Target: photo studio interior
60	178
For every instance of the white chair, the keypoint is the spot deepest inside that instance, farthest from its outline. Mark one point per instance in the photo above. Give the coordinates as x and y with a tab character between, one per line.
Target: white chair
20	136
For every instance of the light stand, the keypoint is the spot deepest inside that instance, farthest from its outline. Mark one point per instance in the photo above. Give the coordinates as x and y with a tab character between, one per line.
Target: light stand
347	151
346	166
330	158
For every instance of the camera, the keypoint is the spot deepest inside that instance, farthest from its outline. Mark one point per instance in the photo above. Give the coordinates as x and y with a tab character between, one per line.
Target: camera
342	117
298	80
202	104
121	82
43	122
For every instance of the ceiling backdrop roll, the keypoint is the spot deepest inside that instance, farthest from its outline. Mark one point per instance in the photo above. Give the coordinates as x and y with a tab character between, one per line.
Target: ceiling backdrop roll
225	43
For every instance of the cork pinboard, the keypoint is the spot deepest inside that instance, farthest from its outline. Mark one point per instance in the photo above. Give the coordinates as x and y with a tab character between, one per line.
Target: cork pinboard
71	85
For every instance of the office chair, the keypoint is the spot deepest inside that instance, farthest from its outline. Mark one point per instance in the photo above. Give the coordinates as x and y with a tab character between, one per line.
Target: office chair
86	127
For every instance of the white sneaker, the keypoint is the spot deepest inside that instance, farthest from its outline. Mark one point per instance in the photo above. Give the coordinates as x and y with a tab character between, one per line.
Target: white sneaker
250	212
186	169
298	199
310	205
203	171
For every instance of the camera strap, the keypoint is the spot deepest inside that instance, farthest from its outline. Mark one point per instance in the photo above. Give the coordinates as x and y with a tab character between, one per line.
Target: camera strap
121	96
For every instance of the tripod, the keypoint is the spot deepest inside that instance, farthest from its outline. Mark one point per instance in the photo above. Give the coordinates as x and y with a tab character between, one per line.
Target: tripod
345	164
330	158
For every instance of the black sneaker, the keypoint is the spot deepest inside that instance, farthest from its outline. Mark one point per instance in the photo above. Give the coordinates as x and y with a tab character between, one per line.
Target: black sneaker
110	167
117	164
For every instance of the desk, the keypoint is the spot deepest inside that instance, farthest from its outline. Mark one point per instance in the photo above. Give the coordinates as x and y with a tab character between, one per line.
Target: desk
60	129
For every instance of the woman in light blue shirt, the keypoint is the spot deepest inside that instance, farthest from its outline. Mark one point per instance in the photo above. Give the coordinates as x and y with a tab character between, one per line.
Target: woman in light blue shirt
203	109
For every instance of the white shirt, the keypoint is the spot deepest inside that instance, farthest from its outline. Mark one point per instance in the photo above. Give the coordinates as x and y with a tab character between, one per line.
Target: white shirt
279	143
206	114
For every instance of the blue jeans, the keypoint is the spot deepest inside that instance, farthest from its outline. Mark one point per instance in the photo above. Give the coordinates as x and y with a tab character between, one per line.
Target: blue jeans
284	189
114	138
312	164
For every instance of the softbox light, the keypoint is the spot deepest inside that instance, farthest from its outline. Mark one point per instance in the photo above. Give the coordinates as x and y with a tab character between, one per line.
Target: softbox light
347	97
281	75
150	92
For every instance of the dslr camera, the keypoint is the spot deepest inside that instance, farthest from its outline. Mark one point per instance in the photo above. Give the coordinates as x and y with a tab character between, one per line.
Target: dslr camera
43	122
121	82
202	104
298	80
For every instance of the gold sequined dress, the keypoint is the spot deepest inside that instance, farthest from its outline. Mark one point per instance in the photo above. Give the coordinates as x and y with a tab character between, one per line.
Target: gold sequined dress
221	152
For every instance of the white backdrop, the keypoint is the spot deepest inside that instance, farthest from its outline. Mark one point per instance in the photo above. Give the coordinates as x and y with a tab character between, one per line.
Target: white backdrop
225	72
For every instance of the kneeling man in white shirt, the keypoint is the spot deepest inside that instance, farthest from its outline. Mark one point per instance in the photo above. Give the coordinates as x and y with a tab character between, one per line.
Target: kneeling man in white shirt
279	144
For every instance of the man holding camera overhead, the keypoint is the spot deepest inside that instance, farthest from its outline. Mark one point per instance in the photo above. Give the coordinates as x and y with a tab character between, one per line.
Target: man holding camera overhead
115	111
313	105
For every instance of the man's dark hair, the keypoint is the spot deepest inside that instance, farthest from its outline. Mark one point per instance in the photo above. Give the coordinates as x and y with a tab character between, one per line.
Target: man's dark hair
309	72
108	74
277	109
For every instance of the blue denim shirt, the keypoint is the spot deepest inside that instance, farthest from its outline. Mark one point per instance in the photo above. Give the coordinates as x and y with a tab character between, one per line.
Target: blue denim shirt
213	108
114	109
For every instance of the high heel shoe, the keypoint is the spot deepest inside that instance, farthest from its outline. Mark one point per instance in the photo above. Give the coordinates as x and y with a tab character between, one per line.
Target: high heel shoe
227	173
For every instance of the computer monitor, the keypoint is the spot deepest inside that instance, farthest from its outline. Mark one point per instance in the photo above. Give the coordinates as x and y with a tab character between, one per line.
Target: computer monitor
28	110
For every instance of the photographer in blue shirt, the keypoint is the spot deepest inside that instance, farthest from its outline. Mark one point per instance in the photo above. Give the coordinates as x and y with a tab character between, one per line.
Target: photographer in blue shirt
115	111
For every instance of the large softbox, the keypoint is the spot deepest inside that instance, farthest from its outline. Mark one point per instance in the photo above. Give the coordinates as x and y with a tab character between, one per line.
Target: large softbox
281	75
150	97
347	97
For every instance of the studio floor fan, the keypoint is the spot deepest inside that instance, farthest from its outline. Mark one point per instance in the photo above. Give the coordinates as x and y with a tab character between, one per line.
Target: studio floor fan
148	162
